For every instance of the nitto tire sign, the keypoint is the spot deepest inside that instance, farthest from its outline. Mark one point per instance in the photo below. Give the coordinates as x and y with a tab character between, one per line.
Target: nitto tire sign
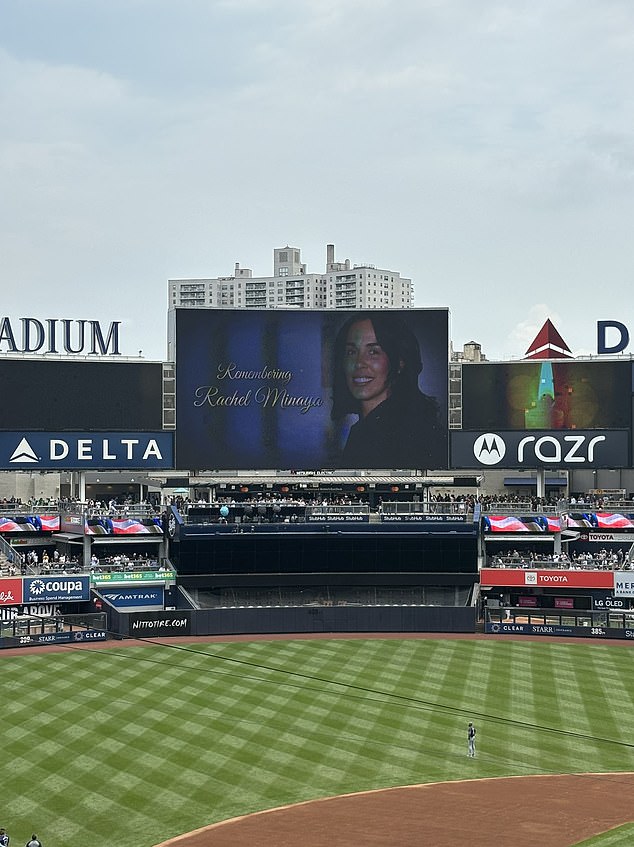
161	624
552	449
48	589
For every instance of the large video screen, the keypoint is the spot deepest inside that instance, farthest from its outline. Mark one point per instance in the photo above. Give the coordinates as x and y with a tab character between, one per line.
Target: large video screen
54	395
546	395
308	390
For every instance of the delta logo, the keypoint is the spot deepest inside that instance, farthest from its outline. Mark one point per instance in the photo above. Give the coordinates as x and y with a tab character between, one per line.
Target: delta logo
80	449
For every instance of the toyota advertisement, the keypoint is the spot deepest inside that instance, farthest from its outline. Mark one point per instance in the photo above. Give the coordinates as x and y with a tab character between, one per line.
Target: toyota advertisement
279	389
503	577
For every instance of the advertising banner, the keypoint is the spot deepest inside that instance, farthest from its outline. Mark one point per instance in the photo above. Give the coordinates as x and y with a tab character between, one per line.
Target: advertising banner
47	610
54	589
85	450
134	595
335	518
304	390
606	537
555	449
607	600
545	395
130	576
426	518
75	637
553	578
564	603
123	526
149	624
10	591
601	520
525	523
29	523
529	600
571	631
623	584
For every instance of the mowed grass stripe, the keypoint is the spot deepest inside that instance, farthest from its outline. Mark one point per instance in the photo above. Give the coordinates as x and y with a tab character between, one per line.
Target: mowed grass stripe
622	836
134	745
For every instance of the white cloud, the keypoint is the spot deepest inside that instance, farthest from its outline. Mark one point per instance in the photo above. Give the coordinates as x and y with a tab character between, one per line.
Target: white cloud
486	150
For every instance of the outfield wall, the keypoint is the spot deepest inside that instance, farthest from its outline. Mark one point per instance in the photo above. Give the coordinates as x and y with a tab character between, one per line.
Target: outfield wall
295	620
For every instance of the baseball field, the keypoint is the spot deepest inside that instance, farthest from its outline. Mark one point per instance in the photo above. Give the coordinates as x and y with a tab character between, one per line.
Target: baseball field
135	745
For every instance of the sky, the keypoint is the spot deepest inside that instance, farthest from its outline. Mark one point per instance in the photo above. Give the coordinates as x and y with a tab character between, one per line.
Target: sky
483	149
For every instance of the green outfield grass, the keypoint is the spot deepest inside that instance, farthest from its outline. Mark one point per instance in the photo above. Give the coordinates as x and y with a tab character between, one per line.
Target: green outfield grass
132	745
622	836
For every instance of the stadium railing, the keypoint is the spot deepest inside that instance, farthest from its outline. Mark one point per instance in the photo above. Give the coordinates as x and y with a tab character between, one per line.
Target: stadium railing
585	562
128	510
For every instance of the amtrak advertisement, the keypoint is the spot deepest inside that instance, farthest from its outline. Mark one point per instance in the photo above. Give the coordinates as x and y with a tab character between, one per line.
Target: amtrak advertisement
134	596
85	450
306	390
574	450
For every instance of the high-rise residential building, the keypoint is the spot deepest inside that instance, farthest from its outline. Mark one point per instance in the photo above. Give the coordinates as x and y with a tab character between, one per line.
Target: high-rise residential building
340	286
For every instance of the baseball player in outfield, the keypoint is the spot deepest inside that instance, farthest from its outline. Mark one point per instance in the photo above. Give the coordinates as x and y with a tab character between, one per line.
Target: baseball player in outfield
471	734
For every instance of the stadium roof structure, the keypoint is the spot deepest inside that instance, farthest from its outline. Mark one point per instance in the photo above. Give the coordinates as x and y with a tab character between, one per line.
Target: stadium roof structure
548	344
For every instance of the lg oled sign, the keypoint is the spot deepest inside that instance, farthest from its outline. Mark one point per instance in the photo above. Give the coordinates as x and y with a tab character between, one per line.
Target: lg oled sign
309	390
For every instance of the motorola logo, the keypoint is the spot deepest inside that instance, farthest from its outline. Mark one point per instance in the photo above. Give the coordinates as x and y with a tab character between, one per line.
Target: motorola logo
489	449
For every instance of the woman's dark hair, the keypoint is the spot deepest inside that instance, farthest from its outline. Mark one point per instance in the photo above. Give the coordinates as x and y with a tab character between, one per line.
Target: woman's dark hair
401	348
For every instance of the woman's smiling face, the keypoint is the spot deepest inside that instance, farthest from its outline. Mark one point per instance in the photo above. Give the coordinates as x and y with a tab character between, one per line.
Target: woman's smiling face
367	366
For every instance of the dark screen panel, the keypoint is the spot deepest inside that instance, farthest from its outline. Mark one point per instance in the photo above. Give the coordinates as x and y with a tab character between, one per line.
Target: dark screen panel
71	395
573	395
330	553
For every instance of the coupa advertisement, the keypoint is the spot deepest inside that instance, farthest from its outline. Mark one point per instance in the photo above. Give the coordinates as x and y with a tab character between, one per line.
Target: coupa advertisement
44	589
311	390
55	589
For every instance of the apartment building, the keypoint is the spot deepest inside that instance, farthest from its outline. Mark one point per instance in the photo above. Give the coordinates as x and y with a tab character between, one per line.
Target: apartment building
341	285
